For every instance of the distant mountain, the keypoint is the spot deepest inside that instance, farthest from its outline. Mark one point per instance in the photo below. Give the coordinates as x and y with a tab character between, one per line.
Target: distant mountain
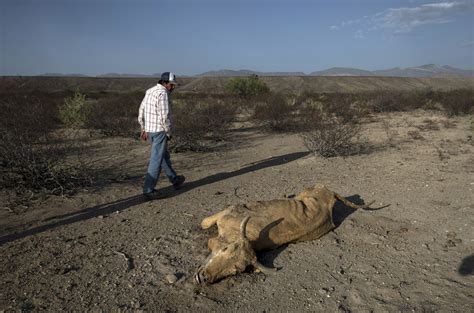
428	70
229	73
124	75
342	71
233	73
62	75
282	74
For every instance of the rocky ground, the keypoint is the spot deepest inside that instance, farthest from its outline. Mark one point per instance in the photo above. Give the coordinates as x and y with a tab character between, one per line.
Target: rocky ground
109	250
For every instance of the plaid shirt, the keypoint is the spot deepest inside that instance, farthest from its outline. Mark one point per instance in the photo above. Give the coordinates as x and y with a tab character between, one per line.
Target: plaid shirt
154	114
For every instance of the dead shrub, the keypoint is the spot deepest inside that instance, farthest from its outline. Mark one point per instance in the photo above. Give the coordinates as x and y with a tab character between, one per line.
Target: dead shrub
449	123
453	102
40	167
349	107
391	133
274	112
332	137
198	123
115	114
391	101
415	135
32	160
456	102
429	124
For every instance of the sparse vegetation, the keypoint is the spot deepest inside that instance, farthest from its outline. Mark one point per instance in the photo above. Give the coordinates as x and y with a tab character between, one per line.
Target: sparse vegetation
247	86
456	102
35	156
198	122
275	113
115	114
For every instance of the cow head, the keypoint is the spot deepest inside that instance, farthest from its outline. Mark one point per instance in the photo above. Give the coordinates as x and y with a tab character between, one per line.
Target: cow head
229	260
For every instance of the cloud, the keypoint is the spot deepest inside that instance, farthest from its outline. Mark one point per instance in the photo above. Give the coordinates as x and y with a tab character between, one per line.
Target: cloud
467	44
404	20
359	34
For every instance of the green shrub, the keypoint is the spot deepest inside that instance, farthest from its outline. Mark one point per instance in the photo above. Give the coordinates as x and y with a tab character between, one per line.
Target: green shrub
74	111
247	86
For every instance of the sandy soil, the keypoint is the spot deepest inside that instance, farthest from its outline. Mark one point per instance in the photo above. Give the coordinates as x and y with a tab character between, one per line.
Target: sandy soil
108	249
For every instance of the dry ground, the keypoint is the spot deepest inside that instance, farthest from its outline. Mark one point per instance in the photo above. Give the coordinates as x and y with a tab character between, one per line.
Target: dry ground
107	249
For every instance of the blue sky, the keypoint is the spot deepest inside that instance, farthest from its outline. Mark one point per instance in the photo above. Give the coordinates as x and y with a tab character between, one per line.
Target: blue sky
187	37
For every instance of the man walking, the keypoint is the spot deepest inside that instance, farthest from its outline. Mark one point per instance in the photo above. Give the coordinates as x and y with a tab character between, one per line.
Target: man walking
154	117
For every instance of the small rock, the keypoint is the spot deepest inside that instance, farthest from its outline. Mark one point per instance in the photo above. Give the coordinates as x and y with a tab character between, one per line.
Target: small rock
451	234
171	278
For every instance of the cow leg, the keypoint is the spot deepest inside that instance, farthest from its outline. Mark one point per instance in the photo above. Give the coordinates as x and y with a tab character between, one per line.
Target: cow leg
211	220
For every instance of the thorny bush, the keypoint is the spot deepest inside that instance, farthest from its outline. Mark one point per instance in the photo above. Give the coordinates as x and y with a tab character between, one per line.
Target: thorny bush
456	102
115	114
31	159
198	122
332	137
275	112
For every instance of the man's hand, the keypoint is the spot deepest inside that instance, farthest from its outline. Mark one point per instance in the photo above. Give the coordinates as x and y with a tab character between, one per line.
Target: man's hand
168	137
143	135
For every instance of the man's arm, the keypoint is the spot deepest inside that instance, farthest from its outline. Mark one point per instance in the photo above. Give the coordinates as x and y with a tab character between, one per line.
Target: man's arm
141	113
141	110
165	113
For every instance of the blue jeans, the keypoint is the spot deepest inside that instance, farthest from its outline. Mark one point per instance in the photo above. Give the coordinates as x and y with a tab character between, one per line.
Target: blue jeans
159	158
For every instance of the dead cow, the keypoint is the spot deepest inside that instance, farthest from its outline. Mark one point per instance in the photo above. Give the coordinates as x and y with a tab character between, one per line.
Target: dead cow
264	225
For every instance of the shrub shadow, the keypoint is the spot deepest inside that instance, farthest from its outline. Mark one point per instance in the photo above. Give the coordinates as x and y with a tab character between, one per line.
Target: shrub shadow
467	266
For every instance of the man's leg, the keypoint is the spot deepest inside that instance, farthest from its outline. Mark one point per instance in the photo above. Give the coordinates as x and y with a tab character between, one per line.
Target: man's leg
158	149
176	180
166	164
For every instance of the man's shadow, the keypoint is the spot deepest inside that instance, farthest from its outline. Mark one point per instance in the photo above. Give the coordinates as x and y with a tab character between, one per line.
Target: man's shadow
123	204
340	213
66	219
251	167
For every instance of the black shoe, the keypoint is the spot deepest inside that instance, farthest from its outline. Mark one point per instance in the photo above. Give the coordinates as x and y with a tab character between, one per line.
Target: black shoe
152	195
178	182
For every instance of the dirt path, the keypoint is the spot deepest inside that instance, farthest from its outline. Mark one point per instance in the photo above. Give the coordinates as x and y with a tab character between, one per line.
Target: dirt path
109	250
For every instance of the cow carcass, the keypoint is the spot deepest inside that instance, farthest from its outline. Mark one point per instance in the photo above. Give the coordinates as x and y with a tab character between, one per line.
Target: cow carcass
245	229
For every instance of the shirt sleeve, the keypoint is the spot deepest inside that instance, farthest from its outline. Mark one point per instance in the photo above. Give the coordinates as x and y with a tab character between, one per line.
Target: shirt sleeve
165	113
141	114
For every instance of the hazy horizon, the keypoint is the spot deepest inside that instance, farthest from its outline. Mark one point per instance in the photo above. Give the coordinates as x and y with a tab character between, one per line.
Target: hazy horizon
192	37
